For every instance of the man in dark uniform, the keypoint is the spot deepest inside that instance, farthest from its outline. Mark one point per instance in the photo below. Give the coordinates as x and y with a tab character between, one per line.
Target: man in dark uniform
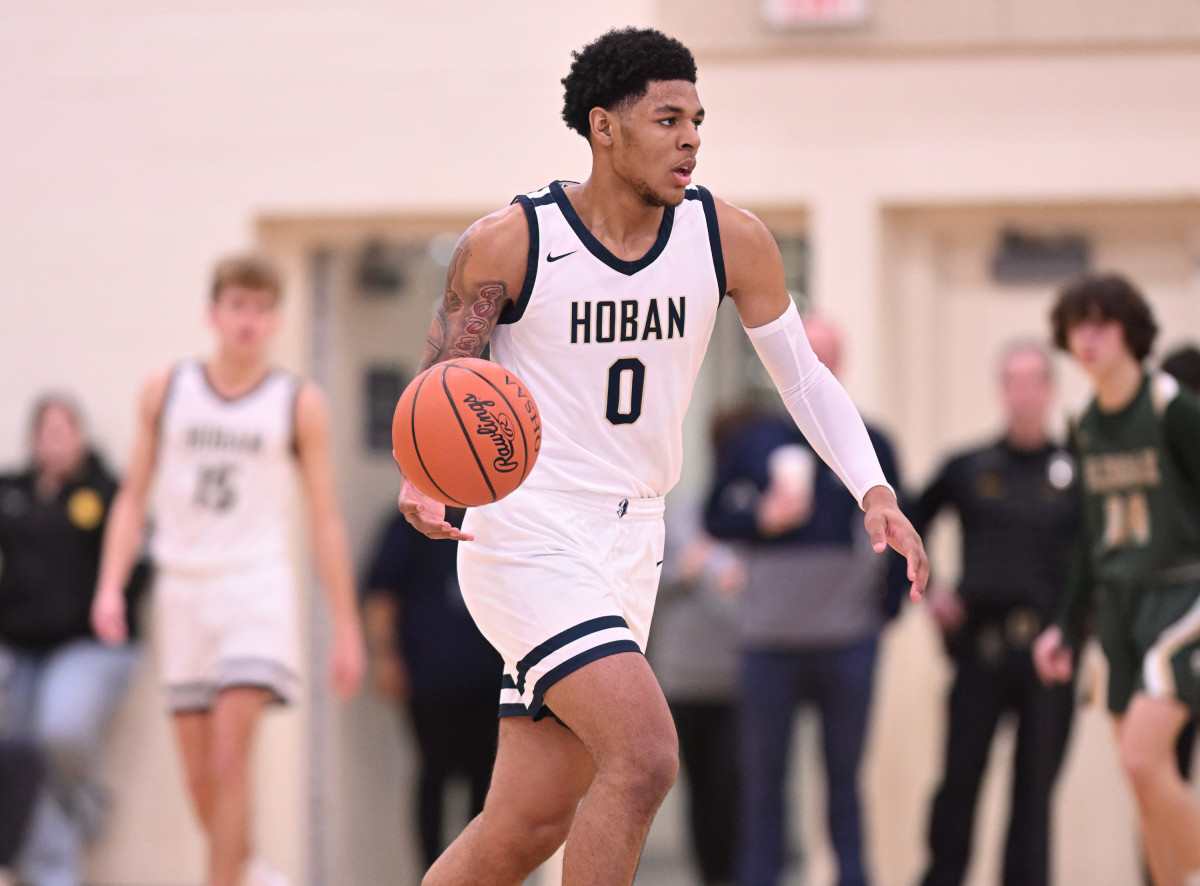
1138	559
1016	501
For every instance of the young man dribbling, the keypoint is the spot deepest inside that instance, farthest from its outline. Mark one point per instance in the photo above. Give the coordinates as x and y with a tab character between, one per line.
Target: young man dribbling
218	444
601	297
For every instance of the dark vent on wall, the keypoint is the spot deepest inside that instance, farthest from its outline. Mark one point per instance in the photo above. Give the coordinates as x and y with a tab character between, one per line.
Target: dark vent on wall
1022	257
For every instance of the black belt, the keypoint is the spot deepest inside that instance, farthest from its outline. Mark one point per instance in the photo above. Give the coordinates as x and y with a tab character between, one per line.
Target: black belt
1012	631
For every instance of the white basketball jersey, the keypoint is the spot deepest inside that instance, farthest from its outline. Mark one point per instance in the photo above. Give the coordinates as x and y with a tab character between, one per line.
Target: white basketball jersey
225	473
610	348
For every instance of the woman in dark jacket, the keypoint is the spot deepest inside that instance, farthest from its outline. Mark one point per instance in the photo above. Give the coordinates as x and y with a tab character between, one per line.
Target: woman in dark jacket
59	686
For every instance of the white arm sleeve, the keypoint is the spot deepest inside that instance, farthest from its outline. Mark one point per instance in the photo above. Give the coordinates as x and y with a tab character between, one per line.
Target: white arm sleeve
819	405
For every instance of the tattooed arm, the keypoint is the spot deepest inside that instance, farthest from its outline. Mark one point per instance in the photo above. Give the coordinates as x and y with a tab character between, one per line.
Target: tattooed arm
485	275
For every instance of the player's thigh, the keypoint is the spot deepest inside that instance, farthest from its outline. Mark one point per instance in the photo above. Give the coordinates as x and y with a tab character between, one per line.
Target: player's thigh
617	709
237	711
1148	732
541	773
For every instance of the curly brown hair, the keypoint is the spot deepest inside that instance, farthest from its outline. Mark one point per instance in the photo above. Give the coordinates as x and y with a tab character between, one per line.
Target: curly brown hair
1105	297
613	71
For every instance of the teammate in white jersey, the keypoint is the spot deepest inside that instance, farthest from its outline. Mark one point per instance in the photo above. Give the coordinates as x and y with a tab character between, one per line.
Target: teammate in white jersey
218	444
600	296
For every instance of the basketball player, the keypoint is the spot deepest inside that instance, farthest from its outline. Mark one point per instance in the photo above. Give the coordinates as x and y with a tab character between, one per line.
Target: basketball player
601	297
1138	446
220	440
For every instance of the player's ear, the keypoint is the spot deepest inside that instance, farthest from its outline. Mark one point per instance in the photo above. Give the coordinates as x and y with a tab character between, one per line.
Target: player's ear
602	126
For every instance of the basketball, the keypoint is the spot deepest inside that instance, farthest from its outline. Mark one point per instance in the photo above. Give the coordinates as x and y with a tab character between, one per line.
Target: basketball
466	432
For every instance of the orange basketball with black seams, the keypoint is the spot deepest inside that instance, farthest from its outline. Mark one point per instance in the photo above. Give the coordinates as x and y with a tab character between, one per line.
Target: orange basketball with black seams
466	432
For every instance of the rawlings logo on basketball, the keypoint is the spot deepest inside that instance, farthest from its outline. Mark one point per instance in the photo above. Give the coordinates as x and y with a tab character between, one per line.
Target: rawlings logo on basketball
498	427
466	432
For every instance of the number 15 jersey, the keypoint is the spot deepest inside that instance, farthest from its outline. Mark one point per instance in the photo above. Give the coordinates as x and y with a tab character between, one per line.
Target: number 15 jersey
611	348
225	474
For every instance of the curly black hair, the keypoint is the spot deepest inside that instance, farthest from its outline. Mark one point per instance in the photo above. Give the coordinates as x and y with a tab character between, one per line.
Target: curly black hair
1106	297
614	69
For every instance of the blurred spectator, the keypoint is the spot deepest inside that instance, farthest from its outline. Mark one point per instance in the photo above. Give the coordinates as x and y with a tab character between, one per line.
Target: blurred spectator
59	686
693	649
1184	364
816	597
20	778
1015	499
427	653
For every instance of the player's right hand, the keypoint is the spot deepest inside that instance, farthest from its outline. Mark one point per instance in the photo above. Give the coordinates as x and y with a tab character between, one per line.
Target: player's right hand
108	617
426	515
1053	659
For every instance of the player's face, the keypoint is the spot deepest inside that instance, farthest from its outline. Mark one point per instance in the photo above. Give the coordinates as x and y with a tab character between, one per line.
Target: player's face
245	320
1027	387
1097	344
656	140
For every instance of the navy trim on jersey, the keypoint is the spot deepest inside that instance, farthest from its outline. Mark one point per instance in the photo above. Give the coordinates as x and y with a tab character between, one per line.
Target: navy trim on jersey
714	233
546	198
561	639
599	250
172	382
537	706
267	376
295	416
513	312
511	708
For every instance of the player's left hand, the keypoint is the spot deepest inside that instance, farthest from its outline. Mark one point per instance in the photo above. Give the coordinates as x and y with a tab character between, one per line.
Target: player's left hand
889	527
349	661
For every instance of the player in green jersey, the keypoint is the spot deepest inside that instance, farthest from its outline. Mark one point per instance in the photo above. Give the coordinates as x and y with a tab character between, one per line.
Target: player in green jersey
1138	560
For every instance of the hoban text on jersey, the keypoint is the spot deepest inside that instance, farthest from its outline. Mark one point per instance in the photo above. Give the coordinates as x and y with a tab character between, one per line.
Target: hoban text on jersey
608	321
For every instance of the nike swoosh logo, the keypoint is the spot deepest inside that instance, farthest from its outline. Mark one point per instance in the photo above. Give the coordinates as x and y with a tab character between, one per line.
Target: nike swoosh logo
550	257
659	563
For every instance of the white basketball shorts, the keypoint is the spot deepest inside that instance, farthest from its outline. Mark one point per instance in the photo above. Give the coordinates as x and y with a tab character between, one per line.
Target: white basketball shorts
556	580
233	628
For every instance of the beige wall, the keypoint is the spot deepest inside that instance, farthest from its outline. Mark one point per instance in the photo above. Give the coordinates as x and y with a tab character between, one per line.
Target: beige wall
890	26
141	140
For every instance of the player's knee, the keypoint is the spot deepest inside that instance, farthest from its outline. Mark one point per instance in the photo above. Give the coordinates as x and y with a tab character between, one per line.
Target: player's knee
650	770
1141	768
544	836
663	767
537	829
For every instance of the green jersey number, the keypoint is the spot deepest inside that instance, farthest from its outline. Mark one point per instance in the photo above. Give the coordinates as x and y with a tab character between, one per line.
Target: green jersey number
1126	519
